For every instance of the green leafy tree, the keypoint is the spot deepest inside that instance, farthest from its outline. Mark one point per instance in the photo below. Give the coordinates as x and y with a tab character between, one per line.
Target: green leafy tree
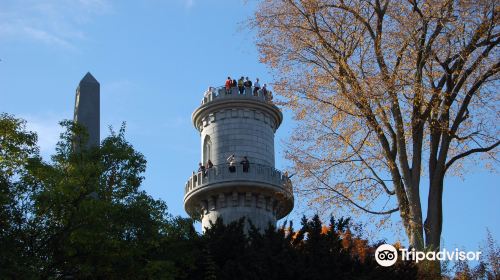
17	149
83	214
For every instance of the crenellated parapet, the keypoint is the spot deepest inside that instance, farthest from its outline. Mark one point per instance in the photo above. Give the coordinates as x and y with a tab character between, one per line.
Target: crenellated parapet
220	105
214	94
262	186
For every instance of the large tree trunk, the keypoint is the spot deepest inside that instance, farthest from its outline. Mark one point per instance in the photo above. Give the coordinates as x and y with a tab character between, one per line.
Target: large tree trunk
434	222
416	238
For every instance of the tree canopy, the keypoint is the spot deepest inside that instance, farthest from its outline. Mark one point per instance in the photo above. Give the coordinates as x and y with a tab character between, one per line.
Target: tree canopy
83	215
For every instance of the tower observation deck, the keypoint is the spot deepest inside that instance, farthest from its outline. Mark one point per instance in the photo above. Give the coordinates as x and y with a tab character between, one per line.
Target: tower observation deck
242	125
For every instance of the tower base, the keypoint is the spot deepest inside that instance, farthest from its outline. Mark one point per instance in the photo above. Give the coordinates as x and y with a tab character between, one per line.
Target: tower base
258	217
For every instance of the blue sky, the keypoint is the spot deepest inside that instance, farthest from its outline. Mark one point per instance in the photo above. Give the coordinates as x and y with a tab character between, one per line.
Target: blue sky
154	59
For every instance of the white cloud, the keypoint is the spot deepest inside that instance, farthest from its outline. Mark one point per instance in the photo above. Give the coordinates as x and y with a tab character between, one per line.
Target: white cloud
54	23
46	37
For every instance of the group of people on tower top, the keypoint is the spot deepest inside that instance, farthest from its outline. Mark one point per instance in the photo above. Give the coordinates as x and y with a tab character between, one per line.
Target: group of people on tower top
243	83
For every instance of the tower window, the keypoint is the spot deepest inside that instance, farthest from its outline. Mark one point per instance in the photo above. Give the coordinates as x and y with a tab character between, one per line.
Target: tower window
207	149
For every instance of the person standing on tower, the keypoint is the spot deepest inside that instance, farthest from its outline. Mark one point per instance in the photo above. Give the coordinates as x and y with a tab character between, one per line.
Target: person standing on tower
201	168
256	87
228	84
234	83
264	92
245	163
240	85
247	83
232	163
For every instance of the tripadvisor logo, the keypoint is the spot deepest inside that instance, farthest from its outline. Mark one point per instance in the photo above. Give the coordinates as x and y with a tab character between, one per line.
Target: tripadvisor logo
387	255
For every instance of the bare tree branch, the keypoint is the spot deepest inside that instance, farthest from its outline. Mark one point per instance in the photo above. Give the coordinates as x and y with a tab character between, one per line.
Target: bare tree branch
470	152
351	201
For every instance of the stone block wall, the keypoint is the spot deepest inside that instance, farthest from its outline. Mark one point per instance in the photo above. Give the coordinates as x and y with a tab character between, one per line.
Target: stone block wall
255	207
240	131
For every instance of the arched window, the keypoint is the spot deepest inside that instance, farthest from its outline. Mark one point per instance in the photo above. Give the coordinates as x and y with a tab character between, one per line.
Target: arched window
207	149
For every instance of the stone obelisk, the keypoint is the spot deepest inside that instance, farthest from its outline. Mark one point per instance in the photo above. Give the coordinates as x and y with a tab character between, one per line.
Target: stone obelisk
87	108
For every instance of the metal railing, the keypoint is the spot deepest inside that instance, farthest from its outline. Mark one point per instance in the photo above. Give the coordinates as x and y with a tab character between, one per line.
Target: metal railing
216	93
255	173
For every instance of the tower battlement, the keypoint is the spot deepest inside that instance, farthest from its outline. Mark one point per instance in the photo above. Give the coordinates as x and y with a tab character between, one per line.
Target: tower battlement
217	93
243	125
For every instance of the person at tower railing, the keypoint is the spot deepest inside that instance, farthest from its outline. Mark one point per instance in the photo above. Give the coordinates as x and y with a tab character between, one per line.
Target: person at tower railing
202	169
269	96
234	87
240	85
247	83
232	163
264	92
209	164
267	93
245	163
256	87
228	84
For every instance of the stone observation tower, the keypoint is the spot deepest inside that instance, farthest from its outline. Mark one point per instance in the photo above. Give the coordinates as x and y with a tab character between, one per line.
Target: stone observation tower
87	108
244	125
